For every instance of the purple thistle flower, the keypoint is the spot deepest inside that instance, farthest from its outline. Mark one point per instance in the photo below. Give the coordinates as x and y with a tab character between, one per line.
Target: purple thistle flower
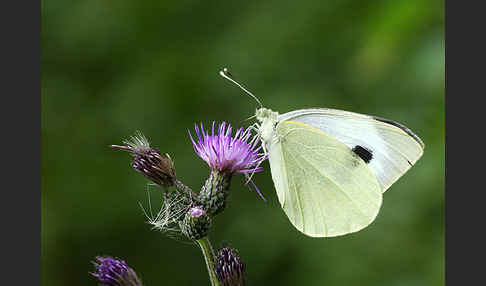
149	161
228	154
114	272
229	268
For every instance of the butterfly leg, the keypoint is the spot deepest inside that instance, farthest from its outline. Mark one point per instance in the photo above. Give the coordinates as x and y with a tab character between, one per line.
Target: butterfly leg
255	127
265	154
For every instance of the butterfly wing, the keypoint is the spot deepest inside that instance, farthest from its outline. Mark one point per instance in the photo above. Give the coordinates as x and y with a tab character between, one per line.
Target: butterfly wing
389	148
324	188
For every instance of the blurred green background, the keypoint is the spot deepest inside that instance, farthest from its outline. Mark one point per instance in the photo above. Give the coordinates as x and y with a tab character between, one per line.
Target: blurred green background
113	67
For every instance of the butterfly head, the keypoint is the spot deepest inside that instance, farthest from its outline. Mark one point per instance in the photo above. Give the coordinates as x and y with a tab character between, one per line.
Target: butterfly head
268	120
264	114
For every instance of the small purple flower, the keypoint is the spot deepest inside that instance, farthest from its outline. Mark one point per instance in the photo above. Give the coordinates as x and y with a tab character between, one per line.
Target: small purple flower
149	161
114	272
229	268
228	154
196	211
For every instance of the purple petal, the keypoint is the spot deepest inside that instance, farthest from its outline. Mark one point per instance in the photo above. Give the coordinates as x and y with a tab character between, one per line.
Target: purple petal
258	191
227	153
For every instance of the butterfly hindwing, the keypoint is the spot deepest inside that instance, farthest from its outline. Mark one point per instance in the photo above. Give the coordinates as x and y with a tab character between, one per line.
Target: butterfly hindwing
389	148
324	188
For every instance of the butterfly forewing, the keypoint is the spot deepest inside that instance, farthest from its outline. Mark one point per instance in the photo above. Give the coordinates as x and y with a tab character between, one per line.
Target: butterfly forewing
324	188
387	147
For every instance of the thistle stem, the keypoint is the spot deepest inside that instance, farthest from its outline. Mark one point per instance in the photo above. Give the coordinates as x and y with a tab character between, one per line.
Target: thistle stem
208	254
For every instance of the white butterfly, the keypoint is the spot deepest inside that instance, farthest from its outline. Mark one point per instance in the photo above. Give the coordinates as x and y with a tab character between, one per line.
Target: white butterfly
330	167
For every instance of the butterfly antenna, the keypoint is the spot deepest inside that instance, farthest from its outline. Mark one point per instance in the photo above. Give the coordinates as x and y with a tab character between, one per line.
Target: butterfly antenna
227	75
251	117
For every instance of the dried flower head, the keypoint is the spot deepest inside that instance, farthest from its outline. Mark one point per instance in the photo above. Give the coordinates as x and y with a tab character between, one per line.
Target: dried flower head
149	161
229	268
114	272
227	154
171	214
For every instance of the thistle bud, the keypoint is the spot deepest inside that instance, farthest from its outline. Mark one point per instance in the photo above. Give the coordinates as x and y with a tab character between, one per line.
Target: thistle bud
149	161
114	272
229	268
196	223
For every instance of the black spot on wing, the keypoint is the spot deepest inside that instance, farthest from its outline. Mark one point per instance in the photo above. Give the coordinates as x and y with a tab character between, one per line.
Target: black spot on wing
363	153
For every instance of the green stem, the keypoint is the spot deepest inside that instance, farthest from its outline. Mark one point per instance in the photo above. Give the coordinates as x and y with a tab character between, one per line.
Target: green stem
208	253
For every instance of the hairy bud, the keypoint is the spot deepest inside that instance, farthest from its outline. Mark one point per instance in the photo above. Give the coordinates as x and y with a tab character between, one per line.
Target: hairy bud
196	223
229	268
149	161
